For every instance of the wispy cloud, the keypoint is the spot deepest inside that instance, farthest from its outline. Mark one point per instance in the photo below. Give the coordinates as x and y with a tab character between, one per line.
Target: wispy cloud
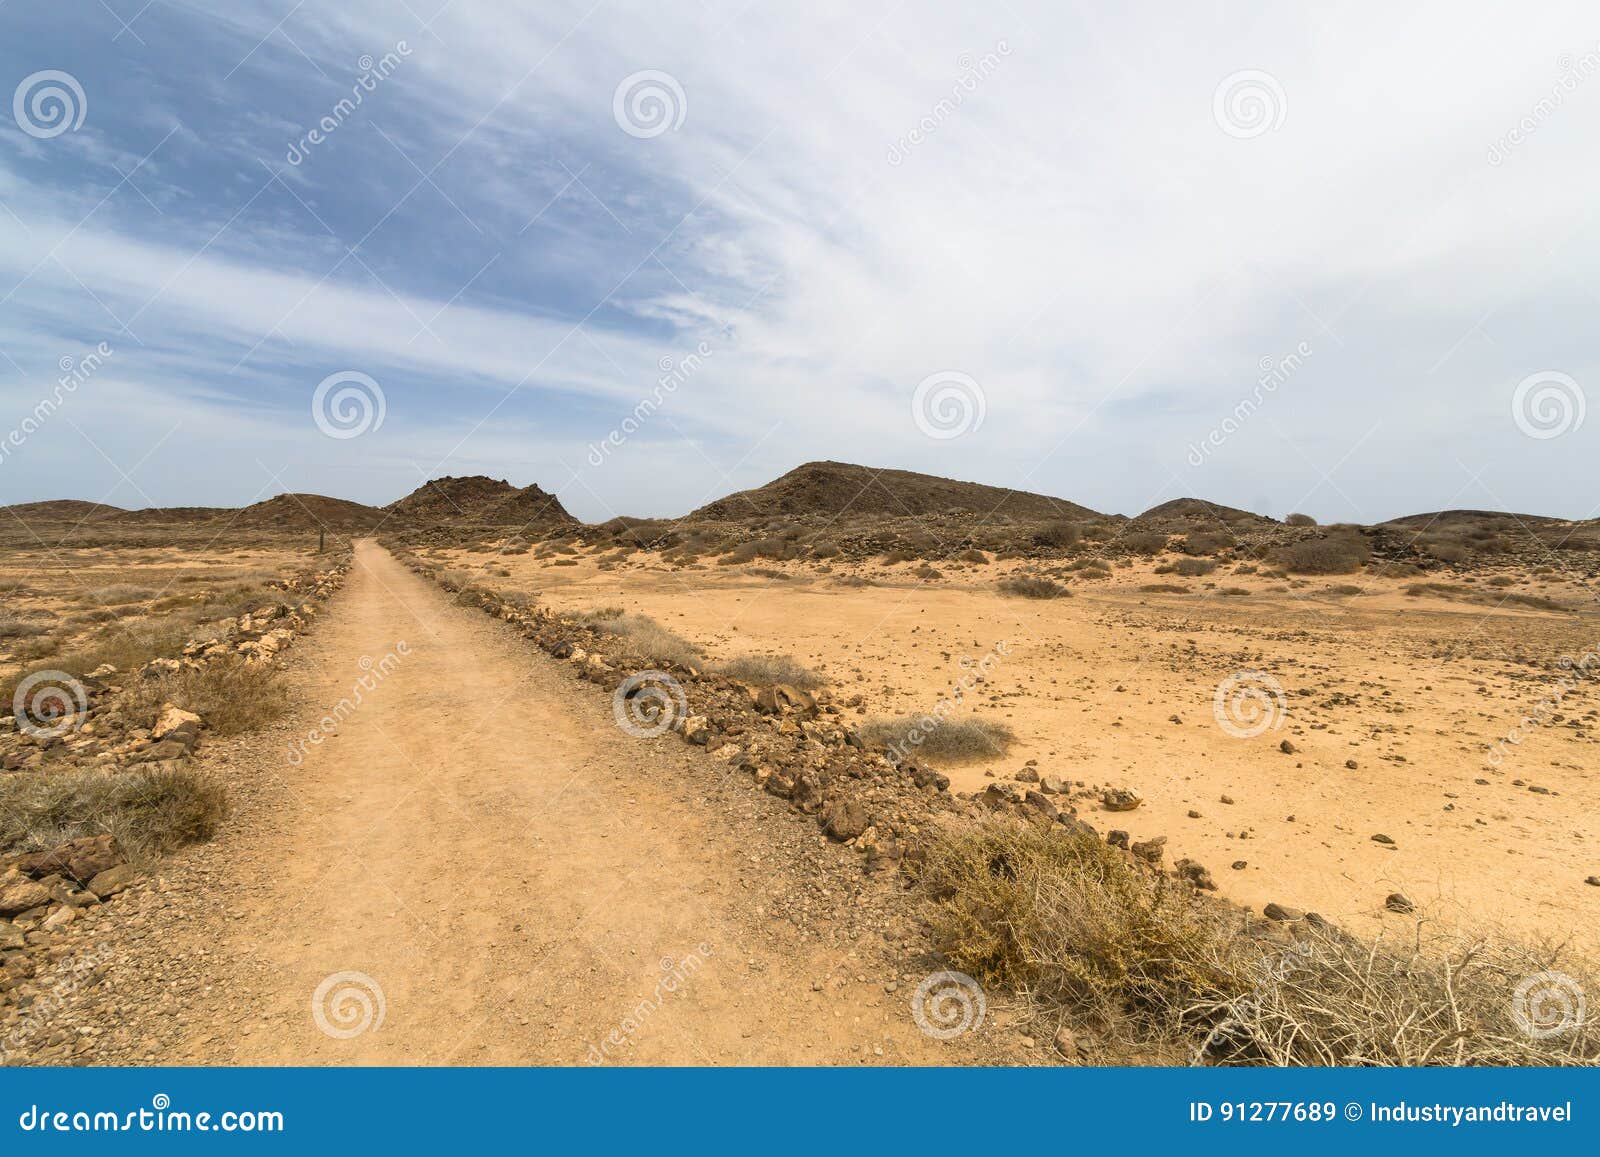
1077	234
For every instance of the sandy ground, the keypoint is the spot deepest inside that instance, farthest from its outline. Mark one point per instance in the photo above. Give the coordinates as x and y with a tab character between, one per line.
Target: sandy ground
479	843
1116	687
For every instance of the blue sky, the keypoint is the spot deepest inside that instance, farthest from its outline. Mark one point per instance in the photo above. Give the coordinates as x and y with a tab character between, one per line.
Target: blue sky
1095	228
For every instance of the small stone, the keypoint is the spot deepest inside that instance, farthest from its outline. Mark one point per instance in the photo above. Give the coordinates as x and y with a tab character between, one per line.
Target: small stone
1225	799
1280	913
1396	902
1119	800
1240	865
1194	815
1287	747
1351	764
1380	838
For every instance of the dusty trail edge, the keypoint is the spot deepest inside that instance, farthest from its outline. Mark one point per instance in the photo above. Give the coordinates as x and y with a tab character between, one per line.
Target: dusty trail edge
479	867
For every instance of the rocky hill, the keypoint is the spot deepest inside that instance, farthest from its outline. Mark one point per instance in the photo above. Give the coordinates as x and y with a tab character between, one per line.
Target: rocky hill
834	489
58	509
482	501
308	512
1191	509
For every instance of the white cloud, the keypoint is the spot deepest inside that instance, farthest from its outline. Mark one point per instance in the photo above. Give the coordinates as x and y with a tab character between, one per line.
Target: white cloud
1079	236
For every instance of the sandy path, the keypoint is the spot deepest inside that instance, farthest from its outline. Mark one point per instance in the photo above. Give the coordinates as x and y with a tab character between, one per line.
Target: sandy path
512	871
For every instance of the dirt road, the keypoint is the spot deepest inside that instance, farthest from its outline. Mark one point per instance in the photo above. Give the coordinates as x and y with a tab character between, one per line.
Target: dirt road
479	853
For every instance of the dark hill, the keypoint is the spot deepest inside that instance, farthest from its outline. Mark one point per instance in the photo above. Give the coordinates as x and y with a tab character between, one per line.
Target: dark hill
1199	508
832	489
308	512
486	501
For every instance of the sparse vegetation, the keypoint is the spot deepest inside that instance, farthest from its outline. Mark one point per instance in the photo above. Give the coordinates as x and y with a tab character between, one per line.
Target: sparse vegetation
231	695
765	670
1087	933
650	638
1032	587
1299	520
150	811
940	740
1330	554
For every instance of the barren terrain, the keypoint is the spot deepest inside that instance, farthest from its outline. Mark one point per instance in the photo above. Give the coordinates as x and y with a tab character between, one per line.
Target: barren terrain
1115	686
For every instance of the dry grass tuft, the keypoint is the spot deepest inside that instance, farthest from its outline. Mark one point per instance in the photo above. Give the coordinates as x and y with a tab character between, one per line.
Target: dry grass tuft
231	695
647	637
940	740
1087	933
765	670
150	811
1032	587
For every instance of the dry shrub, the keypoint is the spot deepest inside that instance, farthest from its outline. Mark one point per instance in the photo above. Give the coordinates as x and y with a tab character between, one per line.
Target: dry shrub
1145	542
743	553
940	740
764	670
1333	554
1206	542
1086	932
973	555
1058	534
898	555
1032	587
150	811
1194	567
1163	589
825	550
1299	520
17	627
230	694
649	638
118	595
127	647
